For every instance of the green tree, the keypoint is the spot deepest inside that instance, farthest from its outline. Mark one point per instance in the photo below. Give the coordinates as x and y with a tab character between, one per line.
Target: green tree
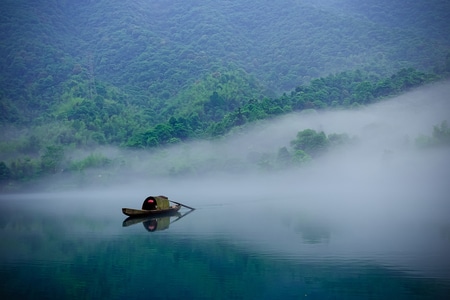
180	128
441	133
52	159
163	133
93	160
310	141
5	172
363	92
32	145
283	157
25	169
300	157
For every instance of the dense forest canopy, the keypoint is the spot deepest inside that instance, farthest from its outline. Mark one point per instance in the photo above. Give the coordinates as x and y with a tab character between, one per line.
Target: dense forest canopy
154	50
143	74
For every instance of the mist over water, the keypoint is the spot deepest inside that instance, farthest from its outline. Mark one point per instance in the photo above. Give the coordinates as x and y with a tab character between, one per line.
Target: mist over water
373	211
383	175
380	188
383	163
382	171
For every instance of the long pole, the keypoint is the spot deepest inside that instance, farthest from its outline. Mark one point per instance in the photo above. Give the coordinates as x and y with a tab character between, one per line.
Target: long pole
182	204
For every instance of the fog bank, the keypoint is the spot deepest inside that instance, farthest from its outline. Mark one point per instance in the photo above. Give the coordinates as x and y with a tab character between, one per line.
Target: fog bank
383	167
379	197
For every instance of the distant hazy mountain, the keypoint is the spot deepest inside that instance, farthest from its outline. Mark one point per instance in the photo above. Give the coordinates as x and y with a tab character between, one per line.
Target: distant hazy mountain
154	50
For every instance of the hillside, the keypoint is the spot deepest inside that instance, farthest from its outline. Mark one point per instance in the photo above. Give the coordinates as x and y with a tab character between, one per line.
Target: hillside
154	51
148	74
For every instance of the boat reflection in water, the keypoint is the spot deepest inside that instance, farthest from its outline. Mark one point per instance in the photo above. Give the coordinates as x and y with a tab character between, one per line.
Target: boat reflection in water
155	223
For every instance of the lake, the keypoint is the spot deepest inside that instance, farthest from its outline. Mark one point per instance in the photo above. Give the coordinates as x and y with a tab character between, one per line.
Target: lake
233	246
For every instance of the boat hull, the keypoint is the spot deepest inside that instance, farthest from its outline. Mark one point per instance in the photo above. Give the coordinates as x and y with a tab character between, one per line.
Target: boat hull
131	212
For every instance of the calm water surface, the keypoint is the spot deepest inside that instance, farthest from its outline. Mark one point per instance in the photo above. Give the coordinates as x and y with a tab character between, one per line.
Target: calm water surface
66	247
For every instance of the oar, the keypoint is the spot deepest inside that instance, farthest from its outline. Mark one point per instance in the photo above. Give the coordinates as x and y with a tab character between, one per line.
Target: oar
182	204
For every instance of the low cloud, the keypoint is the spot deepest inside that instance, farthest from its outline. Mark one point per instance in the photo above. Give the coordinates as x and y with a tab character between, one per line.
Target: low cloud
382	169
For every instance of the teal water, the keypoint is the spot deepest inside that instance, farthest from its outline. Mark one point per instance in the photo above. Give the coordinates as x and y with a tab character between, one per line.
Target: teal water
66	247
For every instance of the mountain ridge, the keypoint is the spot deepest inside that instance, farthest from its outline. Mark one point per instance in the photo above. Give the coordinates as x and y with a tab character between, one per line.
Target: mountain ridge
159	48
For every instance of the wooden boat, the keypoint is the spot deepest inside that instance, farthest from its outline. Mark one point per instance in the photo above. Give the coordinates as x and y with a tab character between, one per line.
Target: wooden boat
155	222
131	212
155	205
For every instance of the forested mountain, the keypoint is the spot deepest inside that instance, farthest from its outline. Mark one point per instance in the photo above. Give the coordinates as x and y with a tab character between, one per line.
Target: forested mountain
425	18
147	73
155	50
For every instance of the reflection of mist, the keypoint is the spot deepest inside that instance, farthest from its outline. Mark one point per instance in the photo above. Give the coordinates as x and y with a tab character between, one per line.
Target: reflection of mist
312	231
